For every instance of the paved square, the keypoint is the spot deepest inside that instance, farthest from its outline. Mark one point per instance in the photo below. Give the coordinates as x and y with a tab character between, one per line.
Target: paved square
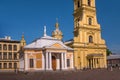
99	74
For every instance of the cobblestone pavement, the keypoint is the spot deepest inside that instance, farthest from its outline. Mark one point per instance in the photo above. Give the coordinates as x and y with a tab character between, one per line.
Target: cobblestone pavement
99	74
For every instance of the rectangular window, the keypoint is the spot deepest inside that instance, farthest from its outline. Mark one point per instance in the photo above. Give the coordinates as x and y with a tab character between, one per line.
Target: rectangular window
5	65
15	47
31	63
15	56
0	65
0	47
78	4
10	47
10	65
10	55
4	55
68	62
89	2
0	55
15	65
4	47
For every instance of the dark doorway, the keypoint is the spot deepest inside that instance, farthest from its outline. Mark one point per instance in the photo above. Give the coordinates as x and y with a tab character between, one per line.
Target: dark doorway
54	63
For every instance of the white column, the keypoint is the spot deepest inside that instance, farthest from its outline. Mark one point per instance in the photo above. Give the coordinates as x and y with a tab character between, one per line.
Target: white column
34	63
65	62
72	61
26	63
62	62
46	60
58	62
43	61
50	61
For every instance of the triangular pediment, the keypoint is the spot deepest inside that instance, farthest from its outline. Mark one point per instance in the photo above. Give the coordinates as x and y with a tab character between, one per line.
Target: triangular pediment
57	45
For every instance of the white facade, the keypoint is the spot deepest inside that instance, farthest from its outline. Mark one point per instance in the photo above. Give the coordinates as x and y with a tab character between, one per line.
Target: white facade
48	53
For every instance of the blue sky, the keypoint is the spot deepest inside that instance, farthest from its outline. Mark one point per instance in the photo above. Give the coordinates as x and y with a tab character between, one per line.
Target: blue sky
29	16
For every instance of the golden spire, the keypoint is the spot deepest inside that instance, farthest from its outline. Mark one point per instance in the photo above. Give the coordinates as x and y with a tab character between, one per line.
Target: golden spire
57	24
23	42
23	36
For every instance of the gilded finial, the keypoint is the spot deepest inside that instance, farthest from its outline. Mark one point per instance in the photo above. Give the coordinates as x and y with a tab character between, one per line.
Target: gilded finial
23	42
57	24
22	35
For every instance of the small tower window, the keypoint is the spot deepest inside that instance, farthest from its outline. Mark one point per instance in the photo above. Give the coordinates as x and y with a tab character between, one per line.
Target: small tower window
89	2
90	21
90	39
78	4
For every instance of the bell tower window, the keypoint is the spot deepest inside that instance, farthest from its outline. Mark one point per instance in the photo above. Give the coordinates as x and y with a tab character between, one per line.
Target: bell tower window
90	39
78	4
89	2
90	21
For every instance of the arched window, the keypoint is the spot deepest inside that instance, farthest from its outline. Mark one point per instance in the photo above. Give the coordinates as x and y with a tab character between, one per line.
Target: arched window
78	4
10	47
4	47
90	21
90	39
89	2
15	47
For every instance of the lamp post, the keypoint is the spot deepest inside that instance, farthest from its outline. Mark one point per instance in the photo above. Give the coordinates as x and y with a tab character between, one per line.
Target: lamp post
79	62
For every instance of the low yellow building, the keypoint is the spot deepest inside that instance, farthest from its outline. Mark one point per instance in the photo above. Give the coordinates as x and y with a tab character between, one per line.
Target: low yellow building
9	54
47	53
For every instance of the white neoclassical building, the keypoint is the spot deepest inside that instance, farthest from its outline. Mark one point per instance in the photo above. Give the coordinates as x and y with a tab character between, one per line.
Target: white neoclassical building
47	53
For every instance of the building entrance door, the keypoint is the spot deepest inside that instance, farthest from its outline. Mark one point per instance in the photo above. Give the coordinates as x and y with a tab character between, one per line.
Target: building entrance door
90	63
54	63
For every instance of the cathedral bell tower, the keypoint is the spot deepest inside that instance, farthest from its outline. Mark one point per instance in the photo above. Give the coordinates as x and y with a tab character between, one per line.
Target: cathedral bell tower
89	47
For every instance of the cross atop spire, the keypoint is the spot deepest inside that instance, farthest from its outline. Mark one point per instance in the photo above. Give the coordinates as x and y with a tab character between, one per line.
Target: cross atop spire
22	35
57	20
45	31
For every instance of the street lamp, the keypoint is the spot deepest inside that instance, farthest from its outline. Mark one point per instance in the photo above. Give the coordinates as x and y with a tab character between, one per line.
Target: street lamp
79	62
